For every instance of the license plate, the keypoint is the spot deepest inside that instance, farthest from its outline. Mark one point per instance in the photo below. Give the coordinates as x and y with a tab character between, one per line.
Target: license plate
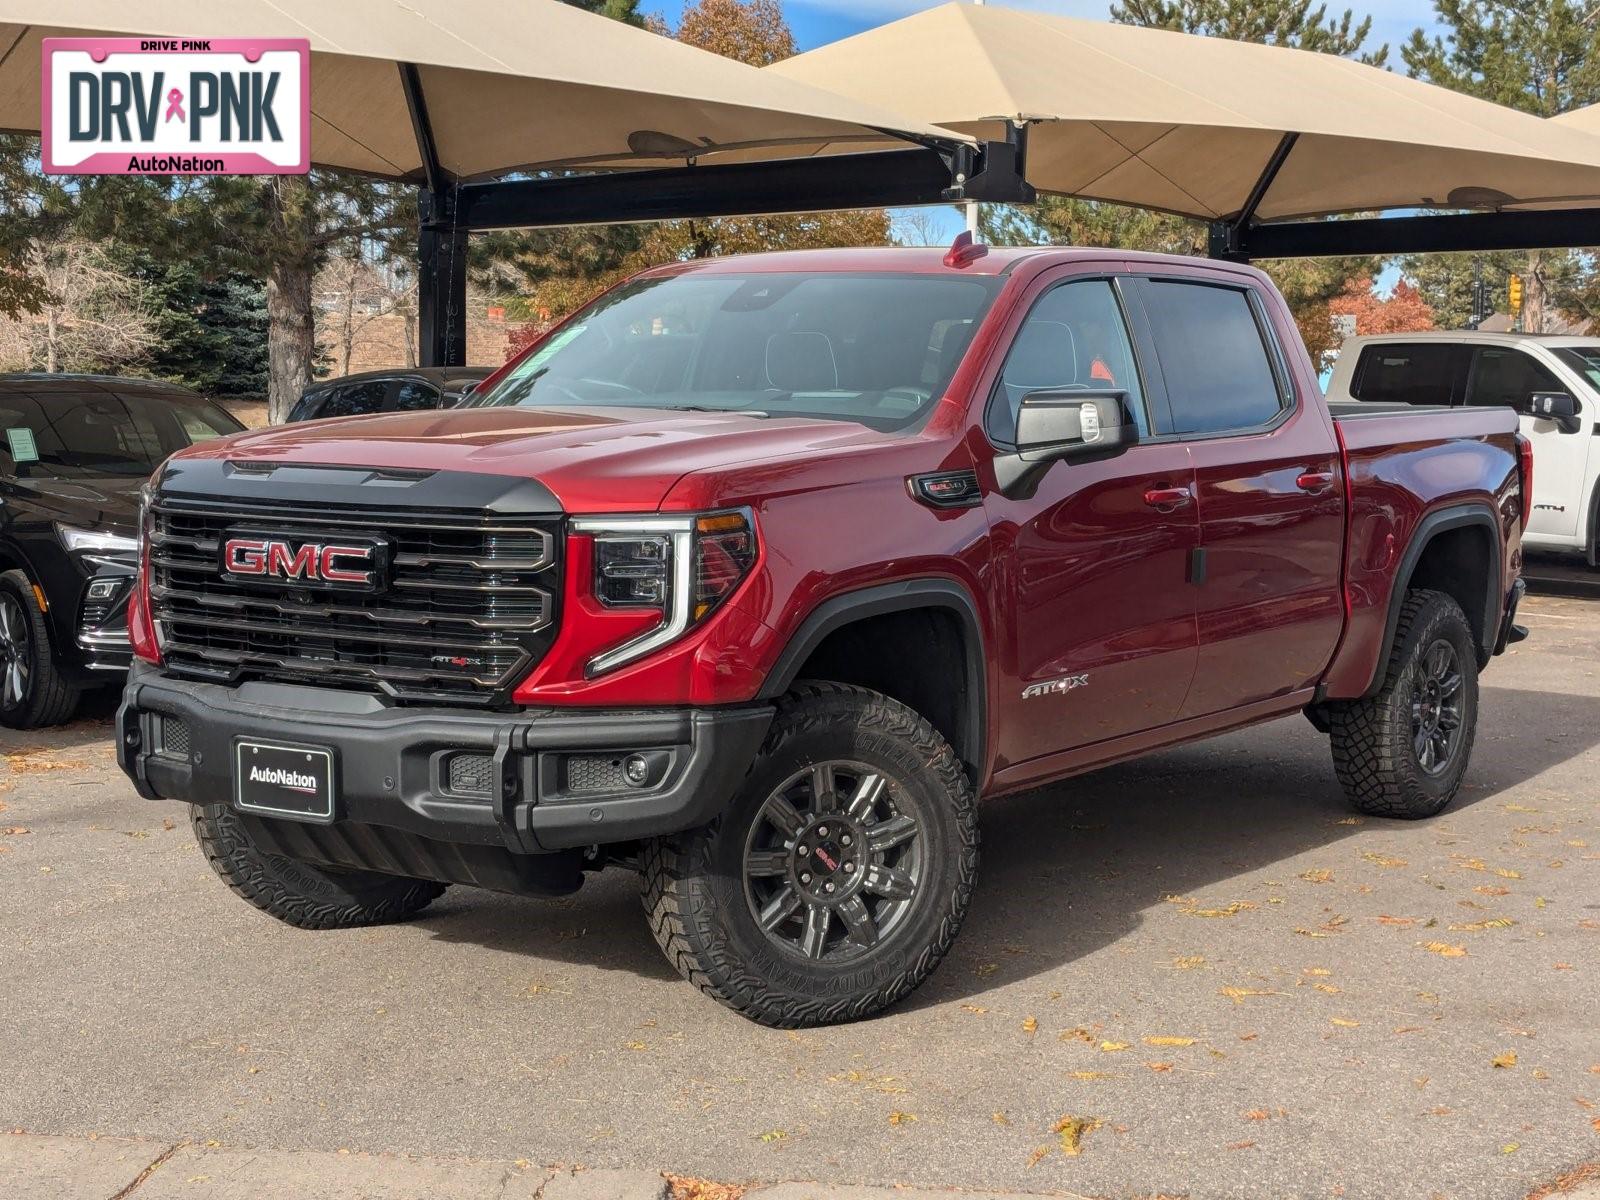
284	781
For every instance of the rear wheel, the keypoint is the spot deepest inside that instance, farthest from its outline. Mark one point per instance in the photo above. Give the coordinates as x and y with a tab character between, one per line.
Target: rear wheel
1403	752
33	693
298	893
839	875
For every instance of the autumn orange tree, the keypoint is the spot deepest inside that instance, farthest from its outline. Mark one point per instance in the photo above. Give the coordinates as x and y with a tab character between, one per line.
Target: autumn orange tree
1403	311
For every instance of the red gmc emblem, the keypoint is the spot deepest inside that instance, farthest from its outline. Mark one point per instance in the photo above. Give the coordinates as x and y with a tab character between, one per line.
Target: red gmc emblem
346	564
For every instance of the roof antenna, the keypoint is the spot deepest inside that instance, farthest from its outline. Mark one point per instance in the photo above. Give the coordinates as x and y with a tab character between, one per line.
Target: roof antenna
964	250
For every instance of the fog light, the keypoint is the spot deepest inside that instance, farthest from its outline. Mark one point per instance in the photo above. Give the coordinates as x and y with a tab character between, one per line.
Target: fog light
104	589
636	770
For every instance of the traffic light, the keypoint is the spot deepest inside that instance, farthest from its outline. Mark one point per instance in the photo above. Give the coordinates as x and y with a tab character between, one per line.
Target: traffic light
1515	294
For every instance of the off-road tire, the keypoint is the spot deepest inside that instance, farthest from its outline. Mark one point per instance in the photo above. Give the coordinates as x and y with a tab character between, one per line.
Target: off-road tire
49	699
297	893
1373	751
694	885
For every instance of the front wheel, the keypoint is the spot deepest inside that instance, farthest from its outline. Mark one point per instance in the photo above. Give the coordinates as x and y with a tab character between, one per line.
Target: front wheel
33	692
840	873
1403	752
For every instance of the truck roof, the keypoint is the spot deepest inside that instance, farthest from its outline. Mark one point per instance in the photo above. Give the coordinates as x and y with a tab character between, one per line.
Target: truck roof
1554	340
995	260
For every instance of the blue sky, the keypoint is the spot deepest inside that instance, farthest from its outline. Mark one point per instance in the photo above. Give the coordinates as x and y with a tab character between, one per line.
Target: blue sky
816	22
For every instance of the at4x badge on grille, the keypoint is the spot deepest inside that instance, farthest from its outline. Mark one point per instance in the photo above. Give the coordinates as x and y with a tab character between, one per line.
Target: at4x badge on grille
356	563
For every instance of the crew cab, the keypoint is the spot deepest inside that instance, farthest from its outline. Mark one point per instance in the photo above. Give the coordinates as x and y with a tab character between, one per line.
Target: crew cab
755	574
1552	382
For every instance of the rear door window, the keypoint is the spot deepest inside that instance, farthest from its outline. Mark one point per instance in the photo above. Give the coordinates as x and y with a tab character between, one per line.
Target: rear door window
412	395
1415	373
355	399
1214	356
1505	376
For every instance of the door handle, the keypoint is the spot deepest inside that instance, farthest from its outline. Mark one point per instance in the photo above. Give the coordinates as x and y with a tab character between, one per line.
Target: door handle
1168	497
1314	481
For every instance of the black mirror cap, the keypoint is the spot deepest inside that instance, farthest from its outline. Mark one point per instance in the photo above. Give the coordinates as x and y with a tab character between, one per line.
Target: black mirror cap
1559	407
1064	424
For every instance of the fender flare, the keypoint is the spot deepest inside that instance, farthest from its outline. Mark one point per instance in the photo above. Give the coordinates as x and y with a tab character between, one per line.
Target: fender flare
1442	520
906	595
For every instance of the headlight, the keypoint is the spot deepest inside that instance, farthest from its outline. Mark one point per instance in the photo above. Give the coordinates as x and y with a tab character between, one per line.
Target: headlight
96	541
684	567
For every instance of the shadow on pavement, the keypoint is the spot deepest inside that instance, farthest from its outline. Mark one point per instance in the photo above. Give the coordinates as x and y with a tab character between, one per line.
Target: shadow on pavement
1068	869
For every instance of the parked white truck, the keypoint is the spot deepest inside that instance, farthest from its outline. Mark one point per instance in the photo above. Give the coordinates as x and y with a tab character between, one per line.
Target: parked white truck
1554	382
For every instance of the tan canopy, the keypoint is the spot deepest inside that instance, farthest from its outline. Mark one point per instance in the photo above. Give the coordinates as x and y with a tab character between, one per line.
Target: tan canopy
1190	124
507	85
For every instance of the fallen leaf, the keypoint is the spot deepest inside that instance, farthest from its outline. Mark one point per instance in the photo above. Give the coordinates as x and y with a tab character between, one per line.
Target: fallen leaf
16	830
1113	1047
1518	808
1349	821
1159	1066
1240	1145
1233	910
1190	962
1089	1076
1595	1124
1400	921
1311	933
1238	994
635	1046
1444	949
1038	1153
1319	971
1072	1131
1504	1061
1480	926
1328	988
1383	860
1492	889
1030	1025
1507	873
983	969
1318	876
999	1118
1561	966
975	1009
772	1135
1170	1041
901	1118
1079	1034
1510	1147
1348	1024
1258	1114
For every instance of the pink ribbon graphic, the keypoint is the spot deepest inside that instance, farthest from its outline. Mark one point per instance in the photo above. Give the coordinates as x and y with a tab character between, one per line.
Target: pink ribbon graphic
174	106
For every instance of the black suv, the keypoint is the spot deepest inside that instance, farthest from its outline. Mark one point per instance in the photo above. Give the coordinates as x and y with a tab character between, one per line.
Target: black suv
404	389
74	452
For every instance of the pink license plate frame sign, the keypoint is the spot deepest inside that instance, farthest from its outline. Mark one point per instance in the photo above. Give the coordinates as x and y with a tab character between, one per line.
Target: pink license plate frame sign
175	106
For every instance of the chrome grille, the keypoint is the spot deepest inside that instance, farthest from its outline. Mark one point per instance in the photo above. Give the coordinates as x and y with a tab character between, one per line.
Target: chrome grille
468	608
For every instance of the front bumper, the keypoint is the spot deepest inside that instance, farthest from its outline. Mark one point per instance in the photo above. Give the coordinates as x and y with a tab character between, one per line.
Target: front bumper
526	782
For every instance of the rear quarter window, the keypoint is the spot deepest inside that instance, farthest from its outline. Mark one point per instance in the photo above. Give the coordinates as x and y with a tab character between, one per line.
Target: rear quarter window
1420	373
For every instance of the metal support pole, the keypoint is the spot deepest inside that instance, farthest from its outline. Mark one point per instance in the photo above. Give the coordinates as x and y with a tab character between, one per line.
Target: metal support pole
441	282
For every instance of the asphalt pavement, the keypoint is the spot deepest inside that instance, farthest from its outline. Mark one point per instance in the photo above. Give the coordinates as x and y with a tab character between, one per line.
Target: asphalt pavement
1192	975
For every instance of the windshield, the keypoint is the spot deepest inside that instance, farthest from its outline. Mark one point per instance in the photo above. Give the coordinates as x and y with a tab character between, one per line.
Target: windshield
1585	360
94	433
878	349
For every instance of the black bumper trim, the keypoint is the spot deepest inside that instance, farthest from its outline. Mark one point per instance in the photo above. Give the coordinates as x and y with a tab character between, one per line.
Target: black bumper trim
1510	631
389	761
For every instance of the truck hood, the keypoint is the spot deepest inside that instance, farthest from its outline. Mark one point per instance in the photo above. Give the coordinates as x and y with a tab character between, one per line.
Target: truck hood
593	460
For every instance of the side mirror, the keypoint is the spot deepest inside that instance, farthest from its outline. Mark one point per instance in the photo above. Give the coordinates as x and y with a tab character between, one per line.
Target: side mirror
1055	425
1559	407
465	394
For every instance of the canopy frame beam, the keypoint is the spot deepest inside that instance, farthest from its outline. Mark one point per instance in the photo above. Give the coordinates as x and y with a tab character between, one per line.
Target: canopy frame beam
927	174
1548	229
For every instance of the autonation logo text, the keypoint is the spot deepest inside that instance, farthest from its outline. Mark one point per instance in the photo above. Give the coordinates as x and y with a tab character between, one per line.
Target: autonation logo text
284	778
207	106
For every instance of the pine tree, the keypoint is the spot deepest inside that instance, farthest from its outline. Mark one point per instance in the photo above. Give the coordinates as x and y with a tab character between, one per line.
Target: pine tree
211	333
1273	22
1541	56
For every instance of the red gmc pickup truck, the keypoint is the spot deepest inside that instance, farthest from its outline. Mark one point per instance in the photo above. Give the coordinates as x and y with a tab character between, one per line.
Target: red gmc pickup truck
755	574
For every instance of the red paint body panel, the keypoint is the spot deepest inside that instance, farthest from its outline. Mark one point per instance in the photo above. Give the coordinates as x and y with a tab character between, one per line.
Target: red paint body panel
1400	471
1085	578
